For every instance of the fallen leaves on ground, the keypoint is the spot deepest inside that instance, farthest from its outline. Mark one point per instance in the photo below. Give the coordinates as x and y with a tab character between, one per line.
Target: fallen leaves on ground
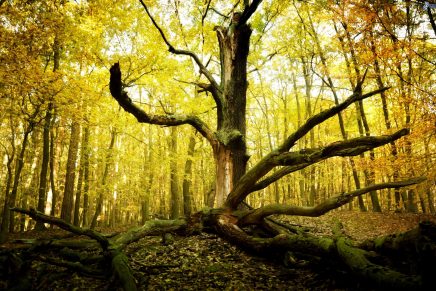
206	262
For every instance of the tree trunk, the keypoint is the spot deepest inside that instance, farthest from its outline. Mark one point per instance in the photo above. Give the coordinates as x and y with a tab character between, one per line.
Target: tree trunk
20	163
174	181
383	98
230	152
68	200
86	154
42	193
102	188
84	157
6	212
54	192
330	84
147	183
187	182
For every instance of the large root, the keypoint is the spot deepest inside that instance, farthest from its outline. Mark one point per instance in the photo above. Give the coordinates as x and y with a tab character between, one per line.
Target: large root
336	251
112	247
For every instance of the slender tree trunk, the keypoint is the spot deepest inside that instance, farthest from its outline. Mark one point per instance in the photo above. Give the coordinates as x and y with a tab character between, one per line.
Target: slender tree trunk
102	189
174	183
330	84
308	102
68	200
187	182
6	212
42	193
149	169
380	84
362	122
86	154
54	192
84	148
430	184
17	176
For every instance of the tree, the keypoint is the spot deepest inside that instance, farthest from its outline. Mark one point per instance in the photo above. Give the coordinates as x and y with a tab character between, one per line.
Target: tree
233	183
236	179
70	176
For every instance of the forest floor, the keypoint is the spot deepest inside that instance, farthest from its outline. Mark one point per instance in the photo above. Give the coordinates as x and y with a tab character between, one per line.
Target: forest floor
206	262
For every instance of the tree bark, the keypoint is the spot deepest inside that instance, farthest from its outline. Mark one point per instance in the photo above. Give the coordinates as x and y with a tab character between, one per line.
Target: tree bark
187	183
42	193
70	176
174	183
6	212
54	192
230	154
86	157
102	188
10	220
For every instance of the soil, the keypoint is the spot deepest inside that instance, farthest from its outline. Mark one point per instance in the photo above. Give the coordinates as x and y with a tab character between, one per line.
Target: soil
206	262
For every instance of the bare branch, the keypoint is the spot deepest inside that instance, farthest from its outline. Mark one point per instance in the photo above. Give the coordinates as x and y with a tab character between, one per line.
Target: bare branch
266	164
257	215
324	115
277	176
103	241
351	147
295	161
126	103
248	11
205	87
173	50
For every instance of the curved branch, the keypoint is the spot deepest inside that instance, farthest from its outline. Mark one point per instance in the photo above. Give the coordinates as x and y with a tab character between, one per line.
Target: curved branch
257	215
102	240
299	160
324	115
175	51
126	103
346	148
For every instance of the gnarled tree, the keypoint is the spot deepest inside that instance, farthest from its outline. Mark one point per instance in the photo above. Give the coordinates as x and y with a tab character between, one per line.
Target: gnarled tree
235	181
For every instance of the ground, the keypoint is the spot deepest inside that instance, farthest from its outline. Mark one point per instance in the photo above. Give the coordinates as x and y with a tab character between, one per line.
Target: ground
206	262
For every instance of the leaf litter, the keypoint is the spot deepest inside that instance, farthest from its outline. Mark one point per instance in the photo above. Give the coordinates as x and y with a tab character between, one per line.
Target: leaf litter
207	262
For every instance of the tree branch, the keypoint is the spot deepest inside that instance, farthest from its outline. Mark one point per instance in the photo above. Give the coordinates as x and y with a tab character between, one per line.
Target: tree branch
173	50
351	147
206	87
324	115
299	160
257	215
126	103
248	12
102	240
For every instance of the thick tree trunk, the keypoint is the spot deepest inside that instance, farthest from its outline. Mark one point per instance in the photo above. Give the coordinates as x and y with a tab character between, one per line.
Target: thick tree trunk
230	153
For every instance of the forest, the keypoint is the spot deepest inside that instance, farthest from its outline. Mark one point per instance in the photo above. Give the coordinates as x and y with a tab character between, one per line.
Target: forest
217	144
